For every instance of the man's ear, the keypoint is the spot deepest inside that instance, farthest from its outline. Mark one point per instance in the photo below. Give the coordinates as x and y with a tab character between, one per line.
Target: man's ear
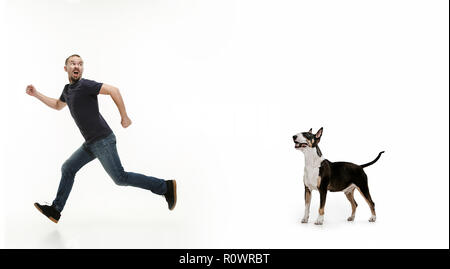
65	68
310	131
319	133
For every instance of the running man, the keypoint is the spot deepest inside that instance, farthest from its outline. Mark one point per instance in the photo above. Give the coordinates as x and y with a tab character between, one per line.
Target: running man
100	142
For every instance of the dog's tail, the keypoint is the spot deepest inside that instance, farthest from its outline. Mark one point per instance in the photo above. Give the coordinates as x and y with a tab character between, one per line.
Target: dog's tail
374	161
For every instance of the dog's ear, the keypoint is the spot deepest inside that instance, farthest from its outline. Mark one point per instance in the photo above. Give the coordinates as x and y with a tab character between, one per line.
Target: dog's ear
310	131
319	133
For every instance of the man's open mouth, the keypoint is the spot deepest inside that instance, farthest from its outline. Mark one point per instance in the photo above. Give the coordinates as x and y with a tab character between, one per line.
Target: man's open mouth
76	73
300	145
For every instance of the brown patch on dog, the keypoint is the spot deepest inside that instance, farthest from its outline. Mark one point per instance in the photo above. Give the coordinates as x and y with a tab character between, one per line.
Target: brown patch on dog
307	195
351	198
319	180
372	209
321	211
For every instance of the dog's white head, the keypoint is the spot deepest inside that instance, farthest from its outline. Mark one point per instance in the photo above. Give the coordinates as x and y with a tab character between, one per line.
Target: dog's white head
308	140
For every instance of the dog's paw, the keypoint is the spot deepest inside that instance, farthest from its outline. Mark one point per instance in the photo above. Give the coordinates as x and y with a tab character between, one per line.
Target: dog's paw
351	218
304	220
319	221
373	219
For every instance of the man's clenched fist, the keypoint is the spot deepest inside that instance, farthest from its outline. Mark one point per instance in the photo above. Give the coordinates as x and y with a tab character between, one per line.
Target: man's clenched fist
31	90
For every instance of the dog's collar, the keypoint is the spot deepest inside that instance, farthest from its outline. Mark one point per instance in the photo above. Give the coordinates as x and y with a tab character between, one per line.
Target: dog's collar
318	151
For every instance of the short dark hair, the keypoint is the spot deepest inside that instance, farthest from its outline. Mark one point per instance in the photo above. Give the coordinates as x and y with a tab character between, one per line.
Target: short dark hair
73	55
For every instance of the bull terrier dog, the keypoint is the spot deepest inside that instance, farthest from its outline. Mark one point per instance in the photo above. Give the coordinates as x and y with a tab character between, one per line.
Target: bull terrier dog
322	175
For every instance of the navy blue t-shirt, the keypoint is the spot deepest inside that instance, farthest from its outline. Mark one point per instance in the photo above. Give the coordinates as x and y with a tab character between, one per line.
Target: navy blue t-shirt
81	98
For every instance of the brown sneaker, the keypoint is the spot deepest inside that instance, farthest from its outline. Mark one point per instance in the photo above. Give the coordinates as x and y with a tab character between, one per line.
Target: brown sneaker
49	211
171	194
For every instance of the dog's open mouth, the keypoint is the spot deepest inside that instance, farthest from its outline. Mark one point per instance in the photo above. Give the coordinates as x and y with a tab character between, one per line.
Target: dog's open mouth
300	145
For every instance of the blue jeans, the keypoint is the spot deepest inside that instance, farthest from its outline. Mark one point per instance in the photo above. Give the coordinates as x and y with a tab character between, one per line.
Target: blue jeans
105	150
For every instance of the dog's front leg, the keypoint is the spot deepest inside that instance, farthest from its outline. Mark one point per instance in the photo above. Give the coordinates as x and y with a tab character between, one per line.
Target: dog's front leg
323	198
307	205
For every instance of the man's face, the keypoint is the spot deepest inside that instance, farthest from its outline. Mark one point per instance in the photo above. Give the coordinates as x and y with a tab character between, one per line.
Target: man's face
74	68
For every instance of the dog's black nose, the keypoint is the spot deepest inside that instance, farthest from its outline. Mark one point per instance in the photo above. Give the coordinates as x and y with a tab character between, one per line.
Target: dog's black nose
295	137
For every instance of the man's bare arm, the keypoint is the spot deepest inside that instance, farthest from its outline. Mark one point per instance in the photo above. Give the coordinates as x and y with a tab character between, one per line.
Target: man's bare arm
117	98
51	102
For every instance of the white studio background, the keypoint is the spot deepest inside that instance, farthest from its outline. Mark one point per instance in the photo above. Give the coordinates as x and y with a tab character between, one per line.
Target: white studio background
216	89
2	135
